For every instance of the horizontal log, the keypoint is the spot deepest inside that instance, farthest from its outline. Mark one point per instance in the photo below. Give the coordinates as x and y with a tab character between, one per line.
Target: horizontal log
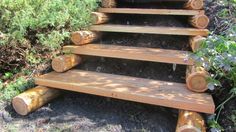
84	37
189	121
33	99
196	79
196	42
65	62
100	18
108	3
199	21
194	4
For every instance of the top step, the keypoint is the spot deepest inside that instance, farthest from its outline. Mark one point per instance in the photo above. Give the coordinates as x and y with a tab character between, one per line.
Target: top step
148	91
187	4
151	11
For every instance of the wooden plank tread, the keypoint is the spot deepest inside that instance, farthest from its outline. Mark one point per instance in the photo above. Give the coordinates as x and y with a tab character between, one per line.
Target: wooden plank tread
169	94
133	53
150	30
150	11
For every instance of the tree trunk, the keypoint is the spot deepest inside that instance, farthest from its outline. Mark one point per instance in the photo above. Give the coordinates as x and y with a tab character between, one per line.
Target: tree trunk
199	21
108	3
194	4
33	99
196	79
190	122
196	42
65	62
84	37
100	18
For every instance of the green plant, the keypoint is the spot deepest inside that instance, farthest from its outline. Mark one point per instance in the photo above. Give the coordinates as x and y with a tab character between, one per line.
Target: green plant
15	87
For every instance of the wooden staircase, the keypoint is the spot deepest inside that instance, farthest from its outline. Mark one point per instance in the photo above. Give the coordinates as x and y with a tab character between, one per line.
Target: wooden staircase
162	93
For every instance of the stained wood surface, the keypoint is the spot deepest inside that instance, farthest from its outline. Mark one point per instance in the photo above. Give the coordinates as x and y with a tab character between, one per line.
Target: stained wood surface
150	30
148	91
151	11
134	53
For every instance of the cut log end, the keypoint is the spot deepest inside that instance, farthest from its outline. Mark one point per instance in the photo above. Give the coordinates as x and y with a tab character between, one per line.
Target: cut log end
33	99
20	105
65	62
108	3
194	4
200	21
84	37
196	42
99	18
190	122
196	79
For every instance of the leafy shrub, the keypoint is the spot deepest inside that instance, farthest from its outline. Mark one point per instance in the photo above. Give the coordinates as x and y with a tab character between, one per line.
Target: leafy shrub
33	32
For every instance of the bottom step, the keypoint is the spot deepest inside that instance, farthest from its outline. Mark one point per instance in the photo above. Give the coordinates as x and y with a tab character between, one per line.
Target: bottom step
169	94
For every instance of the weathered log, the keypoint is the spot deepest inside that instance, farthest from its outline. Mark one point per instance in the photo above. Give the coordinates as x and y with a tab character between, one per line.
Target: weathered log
199	21
190	122
196	79
196	42
65	62
33	99
100	18
108	3
84	37
194	4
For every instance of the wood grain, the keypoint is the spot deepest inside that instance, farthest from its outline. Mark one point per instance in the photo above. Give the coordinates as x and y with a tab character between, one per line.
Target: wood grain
133	53
150	11
150	30
162	93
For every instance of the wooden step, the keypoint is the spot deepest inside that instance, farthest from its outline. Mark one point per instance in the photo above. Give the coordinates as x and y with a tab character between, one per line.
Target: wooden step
133	53
150	30
169	94
150	11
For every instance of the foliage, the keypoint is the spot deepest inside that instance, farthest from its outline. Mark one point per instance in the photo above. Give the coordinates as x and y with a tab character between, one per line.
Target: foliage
218	55
48	21
32	32
15	87
33	27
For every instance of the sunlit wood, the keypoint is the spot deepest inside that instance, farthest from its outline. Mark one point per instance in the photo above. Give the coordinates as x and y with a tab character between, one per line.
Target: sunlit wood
196	79
169	94
33	99
189	121
65	62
